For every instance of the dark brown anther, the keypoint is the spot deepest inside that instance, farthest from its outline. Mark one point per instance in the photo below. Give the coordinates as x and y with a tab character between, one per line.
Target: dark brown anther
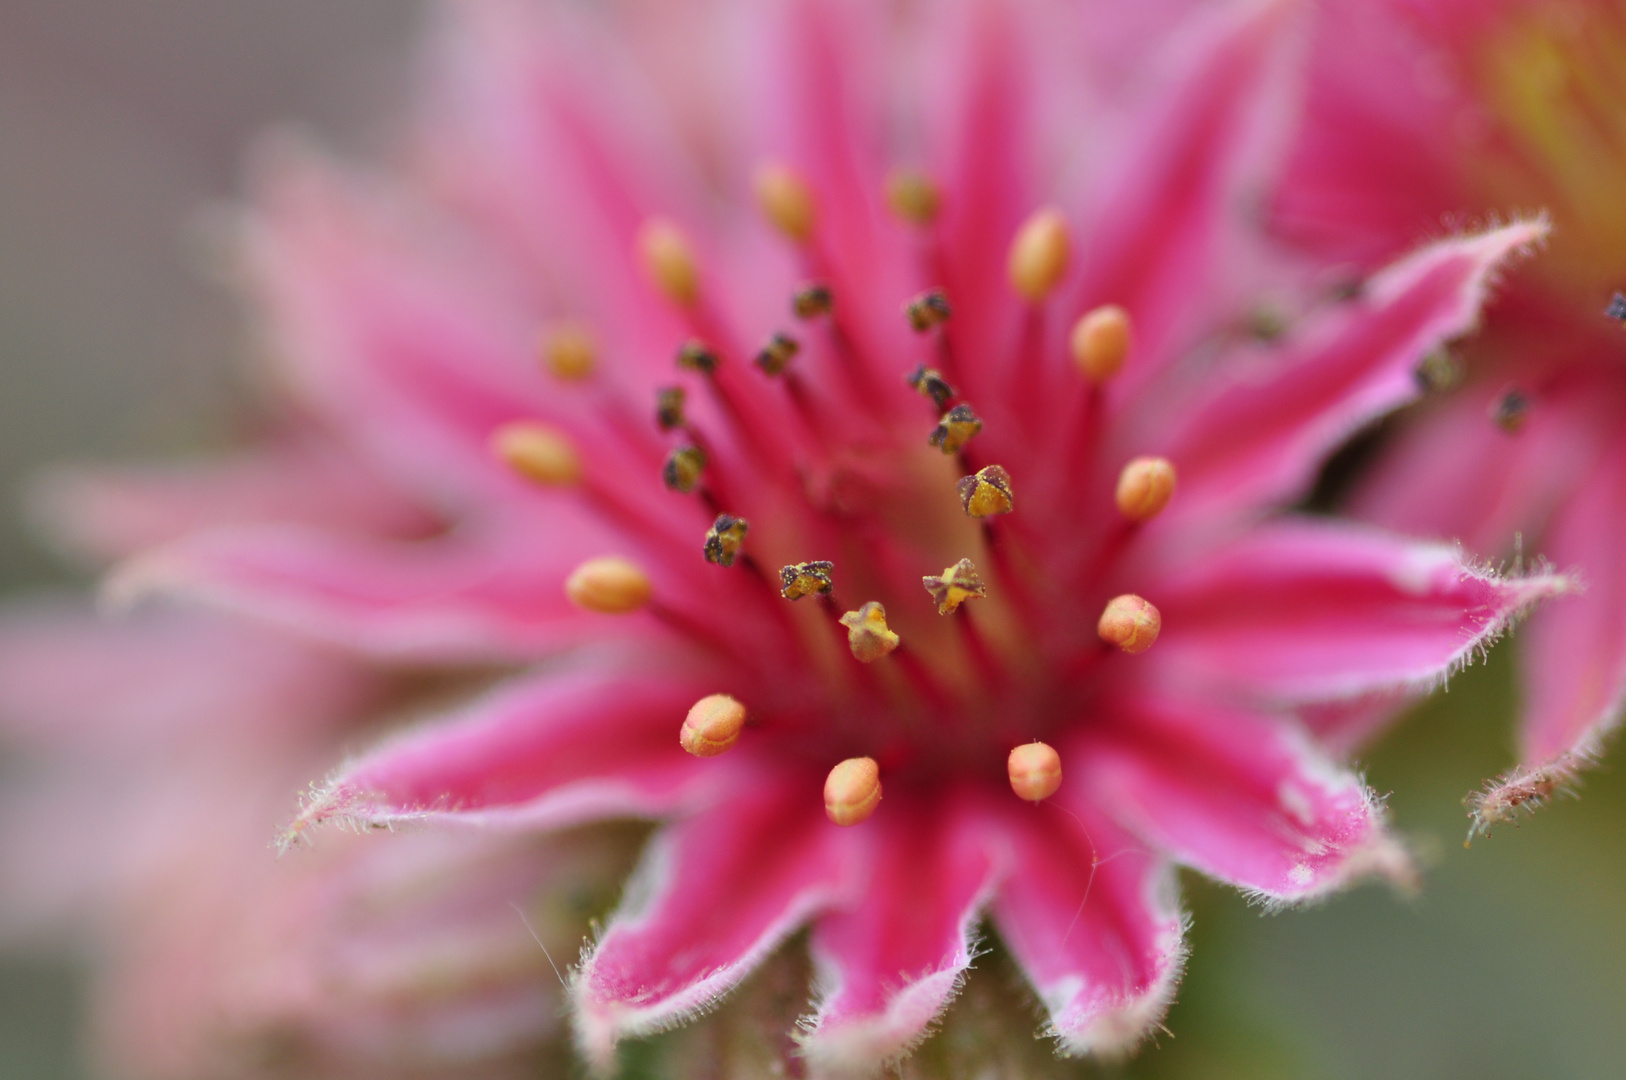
806	579
1440	370
1617	308
724	538
1511	410
683	468
778	353
927	310
987	493
955	429
696	355
955	586
930	382
669	407
812	300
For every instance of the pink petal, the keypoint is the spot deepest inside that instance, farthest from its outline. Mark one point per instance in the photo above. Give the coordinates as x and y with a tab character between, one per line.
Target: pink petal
1262	439
544	751
889	964
1241	796
1305	610
1094	920
715	894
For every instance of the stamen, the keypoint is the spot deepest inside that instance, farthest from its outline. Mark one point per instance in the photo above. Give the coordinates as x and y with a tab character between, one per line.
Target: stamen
1035	771
987	492
1511	410
538	452
1130	623
914	197
683	468
955	586
786	201
669	261
1100	342
867	633
929	309
852	791
930	382
806	579
955	429
1145	487
1617	307
777	354
609	585
569	351
696	355
713	725
724	538
1439	371
812	300
669	402
1039	254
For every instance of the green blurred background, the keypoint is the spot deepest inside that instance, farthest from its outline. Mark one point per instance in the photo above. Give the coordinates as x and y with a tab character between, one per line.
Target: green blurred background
118	122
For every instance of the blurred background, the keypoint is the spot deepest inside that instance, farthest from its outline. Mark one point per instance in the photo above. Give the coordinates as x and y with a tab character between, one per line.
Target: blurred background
120	123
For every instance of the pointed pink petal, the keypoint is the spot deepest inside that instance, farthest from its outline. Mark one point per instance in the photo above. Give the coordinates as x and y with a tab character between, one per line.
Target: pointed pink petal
1095	922
547	750
715	894
1313	610
1241	796
1262	439
889	964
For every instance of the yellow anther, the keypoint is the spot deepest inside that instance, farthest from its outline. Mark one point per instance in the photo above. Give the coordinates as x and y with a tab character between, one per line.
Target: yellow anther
955	586
777	354
806	579
669	401
852	791
1035	771
1130	623
1039	254
987	493
786	201
930	382
914	197
1100	342
569	351
867	634
683	468
669	261
696	355
929	309
724	538
609	585
713	725
1440	370
812	300
1145	487
1511	410
538	452
955	429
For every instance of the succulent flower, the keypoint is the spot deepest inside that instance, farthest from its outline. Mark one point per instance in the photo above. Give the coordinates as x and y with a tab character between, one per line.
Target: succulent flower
708	607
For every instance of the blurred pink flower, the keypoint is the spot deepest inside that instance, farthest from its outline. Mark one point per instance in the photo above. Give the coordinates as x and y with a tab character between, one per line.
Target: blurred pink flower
667	187
1444	110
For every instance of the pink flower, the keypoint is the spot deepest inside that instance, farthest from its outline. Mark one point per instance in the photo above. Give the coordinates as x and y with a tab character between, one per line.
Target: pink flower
1125	656
1452	111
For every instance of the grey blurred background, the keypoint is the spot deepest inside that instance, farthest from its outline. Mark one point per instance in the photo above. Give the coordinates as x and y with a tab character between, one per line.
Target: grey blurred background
118	121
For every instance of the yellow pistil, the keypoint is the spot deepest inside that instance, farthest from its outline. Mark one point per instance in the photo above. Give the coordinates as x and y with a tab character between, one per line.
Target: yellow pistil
786	201
1145	487
683	467
867	633
806	579
669	261
538	452
777	354
569	351
852	791
914	197
1100	342
1039	254
713	725
1035	771
955	586
987	493
724	538
1130	623
955	429
609	585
